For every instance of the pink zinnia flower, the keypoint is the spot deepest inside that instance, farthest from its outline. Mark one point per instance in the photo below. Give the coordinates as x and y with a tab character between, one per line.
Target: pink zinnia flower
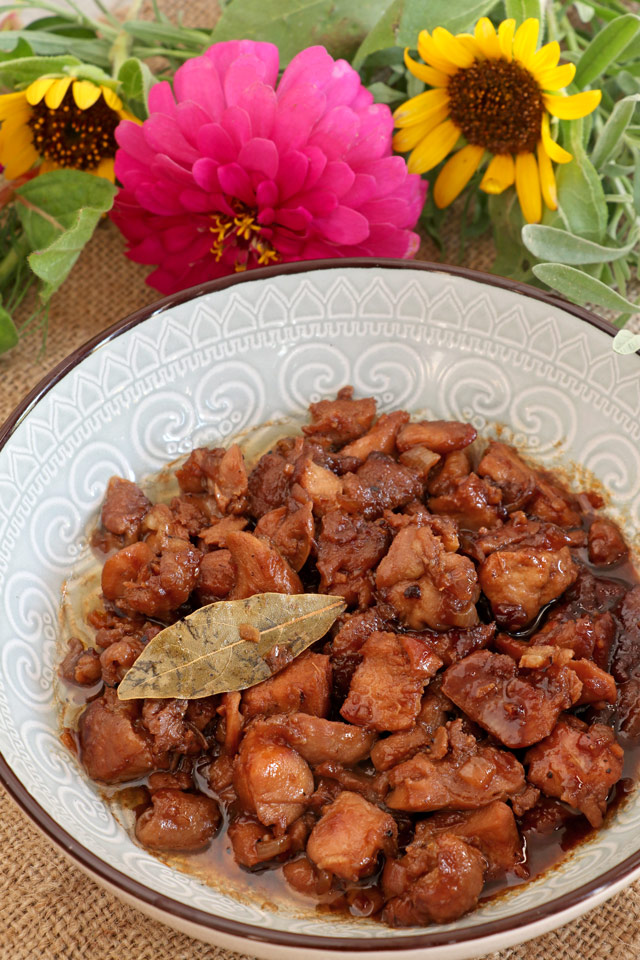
233	170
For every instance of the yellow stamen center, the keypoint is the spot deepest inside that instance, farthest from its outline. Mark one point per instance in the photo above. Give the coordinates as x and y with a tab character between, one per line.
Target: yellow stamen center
73	137
497	105
243	235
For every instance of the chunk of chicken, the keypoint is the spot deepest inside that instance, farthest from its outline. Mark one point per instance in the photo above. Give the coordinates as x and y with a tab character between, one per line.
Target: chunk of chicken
167	724
441	436
341	420
319	740
216	577
474	504
348	548
113	747
259	568
291	530
519	707
577	764
518	583
304	686
381	437
440	884
606	543
429	734
387	687
140	581
320	485
347	839
380	484
520	530
178	821
123	509
219	472
504	467
80	665
269	484
426	585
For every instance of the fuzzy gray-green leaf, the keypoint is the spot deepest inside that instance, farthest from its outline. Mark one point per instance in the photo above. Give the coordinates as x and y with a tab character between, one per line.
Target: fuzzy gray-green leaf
578	286
552	243
211	650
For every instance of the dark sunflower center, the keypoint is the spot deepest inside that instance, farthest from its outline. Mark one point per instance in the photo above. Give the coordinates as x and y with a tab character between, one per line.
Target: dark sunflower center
497	105
74	137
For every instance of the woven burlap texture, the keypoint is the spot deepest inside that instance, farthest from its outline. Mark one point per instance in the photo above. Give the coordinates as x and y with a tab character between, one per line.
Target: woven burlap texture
49	910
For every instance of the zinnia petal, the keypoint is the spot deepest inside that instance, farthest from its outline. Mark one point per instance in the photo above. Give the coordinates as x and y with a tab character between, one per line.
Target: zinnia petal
528	187
553	149
525	41
506	32
420	108
574	107
556	78
456	173
434	147
431	54
85	93
500	174
427	74
451	49
547	179
487	39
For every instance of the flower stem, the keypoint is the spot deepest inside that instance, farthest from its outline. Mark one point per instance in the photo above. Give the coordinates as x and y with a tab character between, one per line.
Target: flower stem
121	49
12	258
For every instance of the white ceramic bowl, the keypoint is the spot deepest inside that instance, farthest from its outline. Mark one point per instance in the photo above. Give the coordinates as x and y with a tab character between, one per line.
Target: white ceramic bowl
196	369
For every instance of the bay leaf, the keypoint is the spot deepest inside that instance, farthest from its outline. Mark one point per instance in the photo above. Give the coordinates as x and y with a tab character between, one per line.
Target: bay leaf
229	645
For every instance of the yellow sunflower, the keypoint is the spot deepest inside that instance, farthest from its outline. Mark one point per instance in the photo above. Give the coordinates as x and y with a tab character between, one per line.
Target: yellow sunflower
60	122
494	89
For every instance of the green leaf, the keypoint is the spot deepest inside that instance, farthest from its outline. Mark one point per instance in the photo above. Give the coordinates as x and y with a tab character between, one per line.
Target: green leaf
383	35
581	196
626	342
21	49
340	25
383	93
584	11
551	243
50	44
605	47
512	259
579	287
426	14
8	332
609	141
136	80
59	212
520	10
25	70
165	33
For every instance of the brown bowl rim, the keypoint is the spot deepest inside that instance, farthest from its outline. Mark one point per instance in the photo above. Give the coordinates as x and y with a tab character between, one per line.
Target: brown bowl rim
193	915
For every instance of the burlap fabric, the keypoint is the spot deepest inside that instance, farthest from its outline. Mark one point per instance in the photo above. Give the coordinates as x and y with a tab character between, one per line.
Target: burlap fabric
49	910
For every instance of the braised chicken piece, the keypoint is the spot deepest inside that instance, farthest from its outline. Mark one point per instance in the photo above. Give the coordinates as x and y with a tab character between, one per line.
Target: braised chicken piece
341	420
518	583
348	548
113	745
606	544
259	567
381	437
441	436
302	687
427	585
380	484
470	775
80	665
519	707
387	687
178	821
435	882
349	836
491	612
123	509
578	764
474	504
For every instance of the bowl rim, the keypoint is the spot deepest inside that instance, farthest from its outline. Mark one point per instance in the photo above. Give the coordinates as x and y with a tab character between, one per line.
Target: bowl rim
93	864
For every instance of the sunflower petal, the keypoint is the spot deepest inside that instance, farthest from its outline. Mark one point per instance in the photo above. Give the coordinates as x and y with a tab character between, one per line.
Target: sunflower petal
434	147
525	40
547	56
556	78
455	174
55	94
470	44
506	31
487	39
407	138
14	104
48	165
450	47
85	94
547	179
499	175
105	169
431	55
36	90
111	99
528	187
427	74
19	157
420	108
571	108
557	153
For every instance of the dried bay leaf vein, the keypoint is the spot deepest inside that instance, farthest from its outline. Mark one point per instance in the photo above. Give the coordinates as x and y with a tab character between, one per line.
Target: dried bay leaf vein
206	653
